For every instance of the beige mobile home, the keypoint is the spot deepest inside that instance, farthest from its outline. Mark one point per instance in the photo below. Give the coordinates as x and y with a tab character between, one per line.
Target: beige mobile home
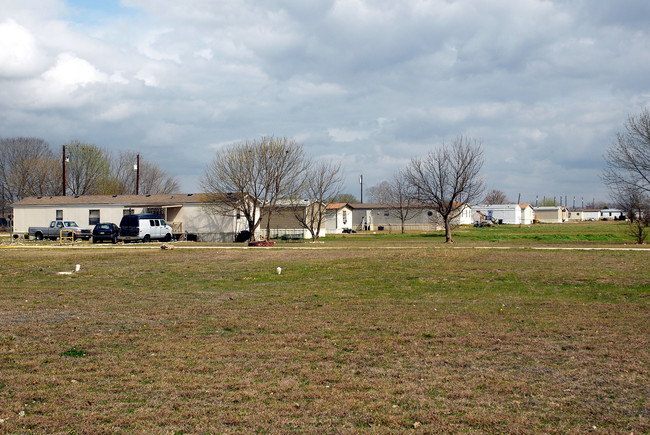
421	217
284	223
552	214
187	214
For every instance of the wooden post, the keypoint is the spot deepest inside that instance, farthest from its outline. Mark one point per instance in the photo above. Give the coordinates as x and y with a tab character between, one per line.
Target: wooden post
63	178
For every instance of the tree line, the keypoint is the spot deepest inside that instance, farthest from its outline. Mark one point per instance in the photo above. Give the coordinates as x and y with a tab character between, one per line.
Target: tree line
256	178
30	167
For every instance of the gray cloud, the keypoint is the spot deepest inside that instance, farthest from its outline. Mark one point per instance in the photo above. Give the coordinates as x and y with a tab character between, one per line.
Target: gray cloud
543	84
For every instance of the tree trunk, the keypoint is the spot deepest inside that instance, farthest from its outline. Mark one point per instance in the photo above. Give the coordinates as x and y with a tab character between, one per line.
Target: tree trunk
448	238
268	225
251	230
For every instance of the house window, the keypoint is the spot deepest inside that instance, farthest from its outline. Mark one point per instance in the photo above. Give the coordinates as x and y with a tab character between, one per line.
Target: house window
386	213
155	210
127	211
59	215
93	217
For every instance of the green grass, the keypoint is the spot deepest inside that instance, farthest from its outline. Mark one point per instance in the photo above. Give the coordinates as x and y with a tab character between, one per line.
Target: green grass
596	233
375	334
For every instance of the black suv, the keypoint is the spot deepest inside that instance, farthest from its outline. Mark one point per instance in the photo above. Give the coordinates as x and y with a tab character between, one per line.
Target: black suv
105	231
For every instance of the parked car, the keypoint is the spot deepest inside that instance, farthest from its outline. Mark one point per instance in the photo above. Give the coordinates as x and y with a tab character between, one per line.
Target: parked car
145	228
105	231
56	228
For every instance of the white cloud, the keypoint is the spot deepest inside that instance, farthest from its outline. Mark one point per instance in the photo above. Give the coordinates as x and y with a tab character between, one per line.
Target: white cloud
19	52
147	78
204	53
306	88
71	72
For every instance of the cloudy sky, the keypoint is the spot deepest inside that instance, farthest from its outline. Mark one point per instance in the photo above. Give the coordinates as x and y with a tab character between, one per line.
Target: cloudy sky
544	85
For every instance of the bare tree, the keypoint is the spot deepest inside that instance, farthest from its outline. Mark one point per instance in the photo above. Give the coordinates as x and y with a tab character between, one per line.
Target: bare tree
153	179
88	169
398	196
27	168
248	177
627	171
403	198
627	162
636	203
285	164
321	181
381	193
448	178
495	196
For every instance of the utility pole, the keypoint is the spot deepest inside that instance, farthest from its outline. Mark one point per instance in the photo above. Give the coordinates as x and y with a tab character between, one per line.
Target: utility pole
137	175
63	163
361	182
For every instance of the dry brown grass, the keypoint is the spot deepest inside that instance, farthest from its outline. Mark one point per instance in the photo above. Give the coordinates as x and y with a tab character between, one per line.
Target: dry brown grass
345	340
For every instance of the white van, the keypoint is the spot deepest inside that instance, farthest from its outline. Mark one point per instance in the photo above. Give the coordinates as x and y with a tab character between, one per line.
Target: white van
145	227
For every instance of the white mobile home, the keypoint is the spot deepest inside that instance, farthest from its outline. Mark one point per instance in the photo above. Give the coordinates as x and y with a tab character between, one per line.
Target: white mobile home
338	217
187	214
500	213
612	214
527	214
589	214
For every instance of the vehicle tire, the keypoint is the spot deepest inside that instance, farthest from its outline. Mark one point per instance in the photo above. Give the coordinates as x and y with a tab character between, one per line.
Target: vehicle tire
38	236
168	237
146	238
114	239
94	240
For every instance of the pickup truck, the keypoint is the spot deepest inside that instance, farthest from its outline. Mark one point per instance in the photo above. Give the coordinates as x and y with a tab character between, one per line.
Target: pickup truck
54	231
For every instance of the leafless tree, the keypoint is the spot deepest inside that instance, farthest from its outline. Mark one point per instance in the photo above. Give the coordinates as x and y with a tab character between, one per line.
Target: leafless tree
448	178
398	196
153	179
403	204
636	203
381	193
253	175
495	196
627	171
627	162
27	168
321	181
88	169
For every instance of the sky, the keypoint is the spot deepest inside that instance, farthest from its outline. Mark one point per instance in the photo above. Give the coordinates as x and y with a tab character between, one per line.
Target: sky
543	85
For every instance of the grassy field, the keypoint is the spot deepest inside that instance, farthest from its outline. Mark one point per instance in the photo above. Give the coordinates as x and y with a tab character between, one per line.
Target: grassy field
384	333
